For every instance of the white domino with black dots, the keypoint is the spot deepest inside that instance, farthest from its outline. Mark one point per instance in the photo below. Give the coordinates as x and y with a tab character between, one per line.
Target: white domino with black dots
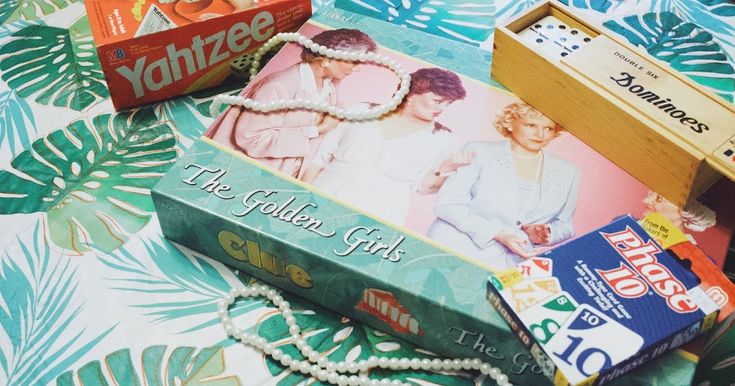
552	38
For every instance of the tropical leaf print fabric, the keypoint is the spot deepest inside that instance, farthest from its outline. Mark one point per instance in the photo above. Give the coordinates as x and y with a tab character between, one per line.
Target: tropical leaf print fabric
92	178
468	21
56	66
160	366
90	291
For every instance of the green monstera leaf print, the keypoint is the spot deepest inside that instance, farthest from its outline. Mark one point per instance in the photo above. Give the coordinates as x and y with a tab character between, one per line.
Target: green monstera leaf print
55	65
341	339
159	367
715	15
719	7
687	48
319	4
597	5
468	21
12	10
92	178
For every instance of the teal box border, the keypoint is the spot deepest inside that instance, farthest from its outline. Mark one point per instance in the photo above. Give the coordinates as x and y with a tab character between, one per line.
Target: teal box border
444	293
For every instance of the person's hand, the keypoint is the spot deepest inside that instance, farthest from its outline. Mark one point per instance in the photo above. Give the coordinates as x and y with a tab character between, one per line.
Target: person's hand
455	162
327	123
538	233
516	244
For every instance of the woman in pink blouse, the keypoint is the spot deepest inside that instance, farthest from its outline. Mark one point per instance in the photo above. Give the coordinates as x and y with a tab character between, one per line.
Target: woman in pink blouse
284	139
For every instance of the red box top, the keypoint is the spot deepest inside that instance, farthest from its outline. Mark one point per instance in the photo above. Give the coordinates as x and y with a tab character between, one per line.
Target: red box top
118	20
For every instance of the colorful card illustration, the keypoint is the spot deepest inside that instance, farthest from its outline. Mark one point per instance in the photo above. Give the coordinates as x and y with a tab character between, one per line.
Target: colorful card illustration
529	292
536	267
533	268
546	318
590	342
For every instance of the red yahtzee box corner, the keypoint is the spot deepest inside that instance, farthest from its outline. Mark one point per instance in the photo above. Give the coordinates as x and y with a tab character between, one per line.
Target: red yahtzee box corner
156	49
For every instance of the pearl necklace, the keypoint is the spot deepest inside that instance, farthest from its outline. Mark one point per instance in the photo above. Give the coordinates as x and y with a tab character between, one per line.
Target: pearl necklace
317	106
328	371
316	365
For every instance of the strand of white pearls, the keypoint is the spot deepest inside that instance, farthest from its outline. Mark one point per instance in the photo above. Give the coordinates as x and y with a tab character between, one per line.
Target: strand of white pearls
329	371
318	106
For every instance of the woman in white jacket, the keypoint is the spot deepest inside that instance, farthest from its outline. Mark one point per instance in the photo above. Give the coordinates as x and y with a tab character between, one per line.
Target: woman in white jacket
512	197
376	165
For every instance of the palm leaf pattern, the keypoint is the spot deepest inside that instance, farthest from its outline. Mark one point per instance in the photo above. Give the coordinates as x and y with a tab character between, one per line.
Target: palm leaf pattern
718	16
687	48
16	122
319	4
92	178
160	366
509	8
58	66
468	21
6	9
715	14
39	314
597	5
8	29
183	113
12	10
196	281
341	339
719	7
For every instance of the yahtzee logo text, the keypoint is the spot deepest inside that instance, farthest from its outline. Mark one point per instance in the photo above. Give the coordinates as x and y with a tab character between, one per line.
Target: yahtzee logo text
203	53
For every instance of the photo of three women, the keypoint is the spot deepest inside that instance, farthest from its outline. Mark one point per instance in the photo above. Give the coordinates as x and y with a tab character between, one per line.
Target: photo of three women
495	201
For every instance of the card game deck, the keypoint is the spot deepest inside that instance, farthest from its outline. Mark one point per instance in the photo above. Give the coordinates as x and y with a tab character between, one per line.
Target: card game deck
604	304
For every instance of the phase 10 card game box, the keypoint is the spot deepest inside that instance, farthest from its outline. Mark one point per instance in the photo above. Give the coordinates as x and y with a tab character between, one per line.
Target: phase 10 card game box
594	309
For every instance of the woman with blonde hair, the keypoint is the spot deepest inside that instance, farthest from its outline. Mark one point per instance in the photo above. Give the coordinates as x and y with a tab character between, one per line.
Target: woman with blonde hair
513	197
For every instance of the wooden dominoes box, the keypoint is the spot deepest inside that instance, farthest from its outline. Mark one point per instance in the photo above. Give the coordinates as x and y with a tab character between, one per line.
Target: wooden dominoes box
654	122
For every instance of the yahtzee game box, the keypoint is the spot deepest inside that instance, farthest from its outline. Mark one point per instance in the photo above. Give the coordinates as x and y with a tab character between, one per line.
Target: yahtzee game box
398	221
600	306
157	49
